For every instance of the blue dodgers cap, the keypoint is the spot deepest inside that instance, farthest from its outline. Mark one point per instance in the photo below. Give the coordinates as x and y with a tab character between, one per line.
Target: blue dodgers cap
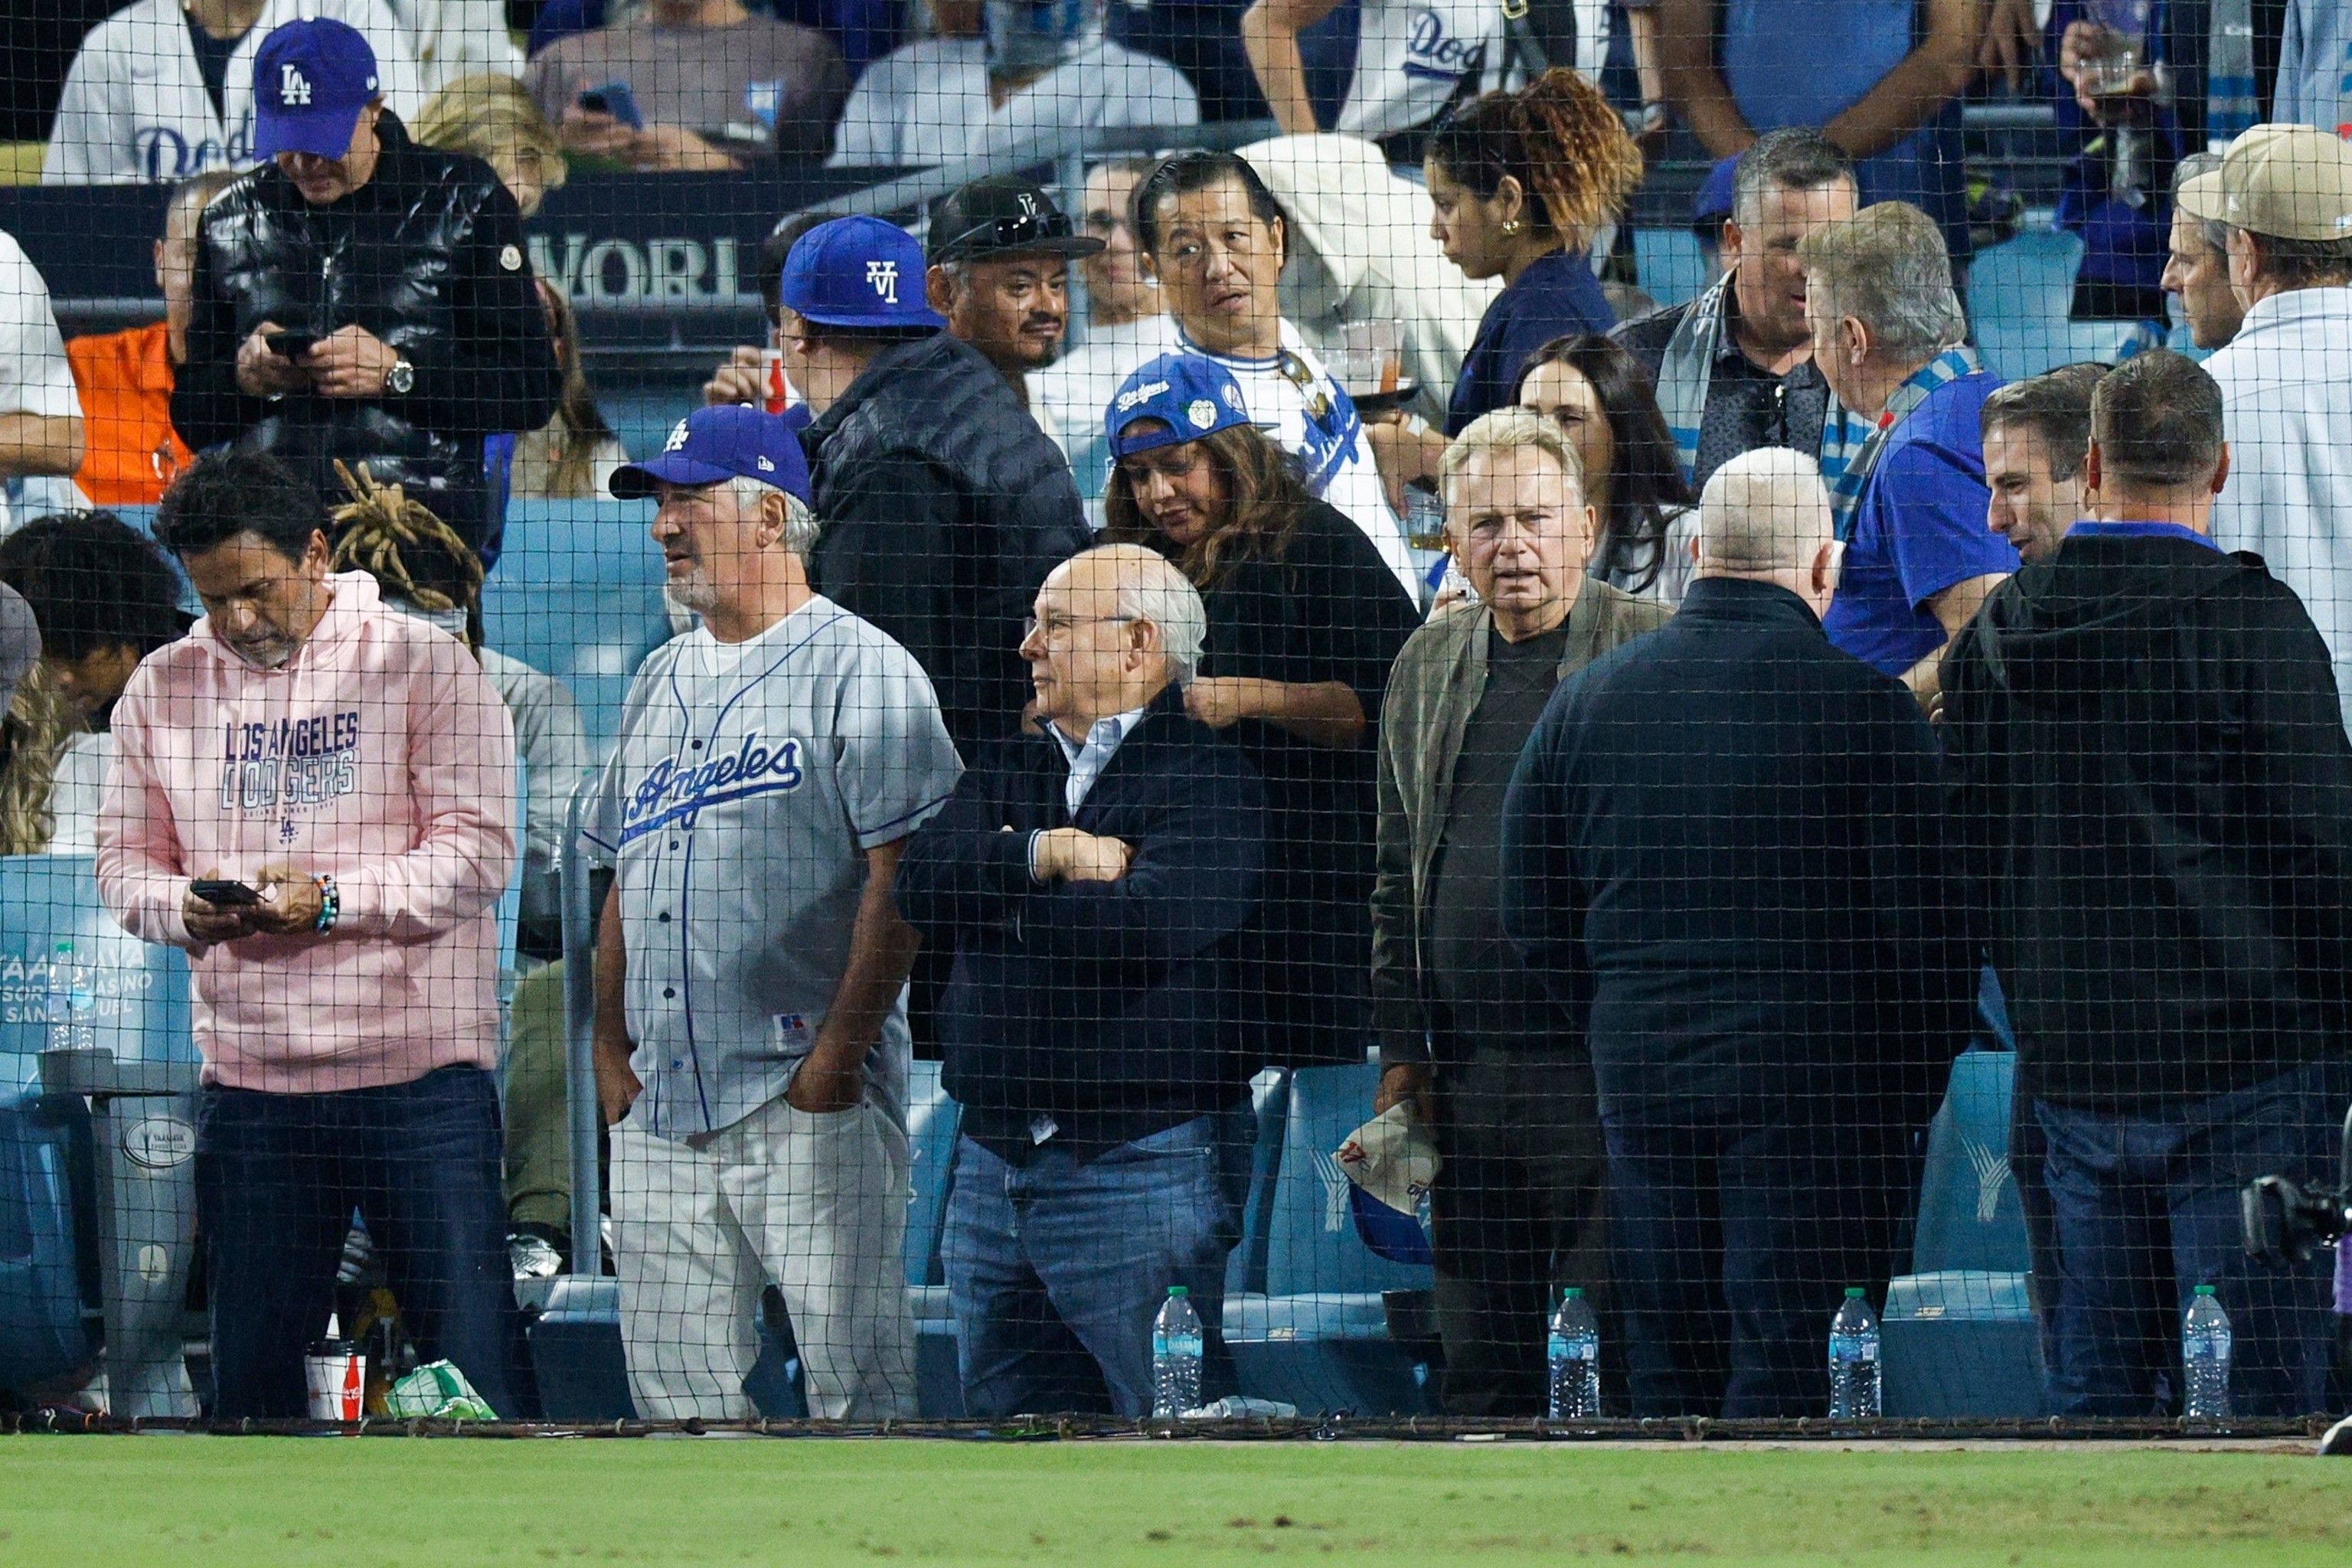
311	79
726	441
1193	396
1713	203
857	272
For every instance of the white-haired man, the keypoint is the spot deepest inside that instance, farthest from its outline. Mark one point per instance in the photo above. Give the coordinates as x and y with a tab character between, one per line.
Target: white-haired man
1467	1035
1889	337
1089	880
751	1046
1720	853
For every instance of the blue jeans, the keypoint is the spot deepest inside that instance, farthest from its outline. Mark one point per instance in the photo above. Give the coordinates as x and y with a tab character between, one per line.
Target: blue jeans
1055	1270
1733	1230
277	1178
2137	1194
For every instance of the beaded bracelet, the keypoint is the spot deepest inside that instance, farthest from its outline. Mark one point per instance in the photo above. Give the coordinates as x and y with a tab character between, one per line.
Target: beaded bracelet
330	903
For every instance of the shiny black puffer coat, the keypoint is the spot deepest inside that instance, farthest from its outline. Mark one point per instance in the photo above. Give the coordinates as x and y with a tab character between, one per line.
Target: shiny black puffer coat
428	256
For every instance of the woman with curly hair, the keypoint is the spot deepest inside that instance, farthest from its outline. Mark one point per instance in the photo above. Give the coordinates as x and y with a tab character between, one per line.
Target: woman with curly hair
1304	619
1522	183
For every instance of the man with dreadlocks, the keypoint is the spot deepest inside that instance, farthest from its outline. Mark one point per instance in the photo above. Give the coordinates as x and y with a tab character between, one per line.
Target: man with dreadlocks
422	569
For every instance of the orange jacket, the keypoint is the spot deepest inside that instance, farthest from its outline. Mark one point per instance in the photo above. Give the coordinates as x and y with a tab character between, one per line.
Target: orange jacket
129	449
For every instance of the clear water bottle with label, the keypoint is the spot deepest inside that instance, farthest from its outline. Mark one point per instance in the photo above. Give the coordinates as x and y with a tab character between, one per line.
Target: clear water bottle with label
1853	1358
69	1001
1176	1355
1573	1357
2205	1357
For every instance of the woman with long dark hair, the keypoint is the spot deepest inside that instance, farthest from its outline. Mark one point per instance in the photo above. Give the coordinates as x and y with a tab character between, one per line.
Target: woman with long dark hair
1596	392
1304	619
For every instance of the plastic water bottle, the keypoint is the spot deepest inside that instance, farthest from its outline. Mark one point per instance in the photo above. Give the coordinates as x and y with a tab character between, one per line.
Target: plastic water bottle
2205	1357
68	998
1573	1356
1176	1355
1853	1358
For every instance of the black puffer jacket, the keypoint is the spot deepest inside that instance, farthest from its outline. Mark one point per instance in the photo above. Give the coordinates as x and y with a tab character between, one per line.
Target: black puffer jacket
943	507
2159	794
428	256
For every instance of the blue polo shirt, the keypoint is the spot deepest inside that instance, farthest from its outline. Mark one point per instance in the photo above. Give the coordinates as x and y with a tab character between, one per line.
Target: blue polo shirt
1918	527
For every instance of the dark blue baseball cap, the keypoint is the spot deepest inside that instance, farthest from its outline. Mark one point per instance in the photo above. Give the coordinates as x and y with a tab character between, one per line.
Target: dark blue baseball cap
857	272
1191	396
726	441
311	79
1713	203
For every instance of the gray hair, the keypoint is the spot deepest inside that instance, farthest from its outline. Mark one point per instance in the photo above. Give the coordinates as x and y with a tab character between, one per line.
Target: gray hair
1794	158
801	527
1764	511
1510	429
1152	589
1886	267
2197	166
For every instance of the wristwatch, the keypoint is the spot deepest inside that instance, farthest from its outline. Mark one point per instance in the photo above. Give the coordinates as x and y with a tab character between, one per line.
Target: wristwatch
400	378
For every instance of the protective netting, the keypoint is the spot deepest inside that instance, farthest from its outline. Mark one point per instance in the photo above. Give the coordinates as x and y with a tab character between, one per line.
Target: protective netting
1368	716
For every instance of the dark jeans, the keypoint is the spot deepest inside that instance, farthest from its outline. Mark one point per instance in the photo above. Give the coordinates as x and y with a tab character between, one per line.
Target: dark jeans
2147	1210
1056	1268
1516	1213
1735	1227
277	1178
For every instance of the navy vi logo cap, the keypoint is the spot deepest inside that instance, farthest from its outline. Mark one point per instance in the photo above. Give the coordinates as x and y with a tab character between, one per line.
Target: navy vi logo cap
311	79
726	441
857	272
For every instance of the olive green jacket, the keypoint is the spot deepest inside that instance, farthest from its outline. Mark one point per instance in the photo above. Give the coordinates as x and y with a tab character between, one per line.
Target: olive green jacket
1432	689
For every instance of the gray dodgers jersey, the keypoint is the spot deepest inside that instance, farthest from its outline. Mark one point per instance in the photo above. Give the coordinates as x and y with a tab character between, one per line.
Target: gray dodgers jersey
747	779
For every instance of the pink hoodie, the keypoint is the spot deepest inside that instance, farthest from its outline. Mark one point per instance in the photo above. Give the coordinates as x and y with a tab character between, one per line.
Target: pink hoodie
378	754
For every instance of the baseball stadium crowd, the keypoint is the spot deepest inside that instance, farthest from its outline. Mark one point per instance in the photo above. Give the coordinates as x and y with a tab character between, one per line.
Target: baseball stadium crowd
1660	739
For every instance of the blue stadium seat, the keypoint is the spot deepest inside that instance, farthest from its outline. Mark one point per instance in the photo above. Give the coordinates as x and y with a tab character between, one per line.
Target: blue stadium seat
1269	1107
578	593
932	1122
1959	1334
2019	294
1673	267
1319	1337
48	1287
576	1349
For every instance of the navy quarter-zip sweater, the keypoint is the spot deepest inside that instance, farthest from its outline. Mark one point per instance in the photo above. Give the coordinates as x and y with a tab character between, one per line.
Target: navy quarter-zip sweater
1105	1008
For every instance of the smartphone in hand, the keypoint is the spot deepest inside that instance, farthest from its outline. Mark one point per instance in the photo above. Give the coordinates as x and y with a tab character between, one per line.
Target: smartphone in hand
291	346
614	99
224	894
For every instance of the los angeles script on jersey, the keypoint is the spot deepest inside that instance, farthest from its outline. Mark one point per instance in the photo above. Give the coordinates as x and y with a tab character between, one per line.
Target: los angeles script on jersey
673	788
290	761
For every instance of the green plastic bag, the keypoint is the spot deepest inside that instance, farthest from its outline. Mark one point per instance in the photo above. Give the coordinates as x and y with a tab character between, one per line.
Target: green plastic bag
438	1391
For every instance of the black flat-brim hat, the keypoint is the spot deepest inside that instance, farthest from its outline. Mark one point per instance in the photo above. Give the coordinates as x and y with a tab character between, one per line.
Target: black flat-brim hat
1002	215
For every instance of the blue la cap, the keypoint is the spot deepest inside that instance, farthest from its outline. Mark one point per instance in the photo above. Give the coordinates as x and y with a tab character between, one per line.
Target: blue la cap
311	79
725	441
1192	396
1713	203
857	272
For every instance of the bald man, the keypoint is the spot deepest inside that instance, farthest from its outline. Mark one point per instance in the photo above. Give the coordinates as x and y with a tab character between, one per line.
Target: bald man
1720	854
1088	878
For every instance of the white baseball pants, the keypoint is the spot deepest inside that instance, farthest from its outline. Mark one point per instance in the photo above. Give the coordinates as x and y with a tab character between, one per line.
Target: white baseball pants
815	1203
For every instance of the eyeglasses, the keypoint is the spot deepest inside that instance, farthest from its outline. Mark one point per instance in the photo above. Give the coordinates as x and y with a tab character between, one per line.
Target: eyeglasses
1056	628
1177	460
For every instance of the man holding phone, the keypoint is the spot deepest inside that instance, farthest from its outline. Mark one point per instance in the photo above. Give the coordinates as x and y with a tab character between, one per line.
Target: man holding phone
315	798
361	298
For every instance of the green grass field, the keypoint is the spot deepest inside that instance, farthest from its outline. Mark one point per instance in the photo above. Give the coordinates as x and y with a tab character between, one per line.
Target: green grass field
188	1503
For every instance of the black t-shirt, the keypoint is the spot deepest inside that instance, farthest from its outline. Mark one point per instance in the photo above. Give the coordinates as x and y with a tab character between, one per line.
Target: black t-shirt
1490	996
211	59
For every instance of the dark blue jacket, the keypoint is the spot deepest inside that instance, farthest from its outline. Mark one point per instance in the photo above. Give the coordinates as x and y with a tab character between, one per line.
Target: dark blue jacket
1106	1005
1724	849
1556	296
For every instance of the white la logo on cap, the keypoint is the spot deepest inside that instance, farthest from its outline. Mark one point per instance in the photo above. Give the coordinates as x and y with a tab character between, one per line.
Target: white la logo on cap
677	437
293	87
1202	413
884	278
